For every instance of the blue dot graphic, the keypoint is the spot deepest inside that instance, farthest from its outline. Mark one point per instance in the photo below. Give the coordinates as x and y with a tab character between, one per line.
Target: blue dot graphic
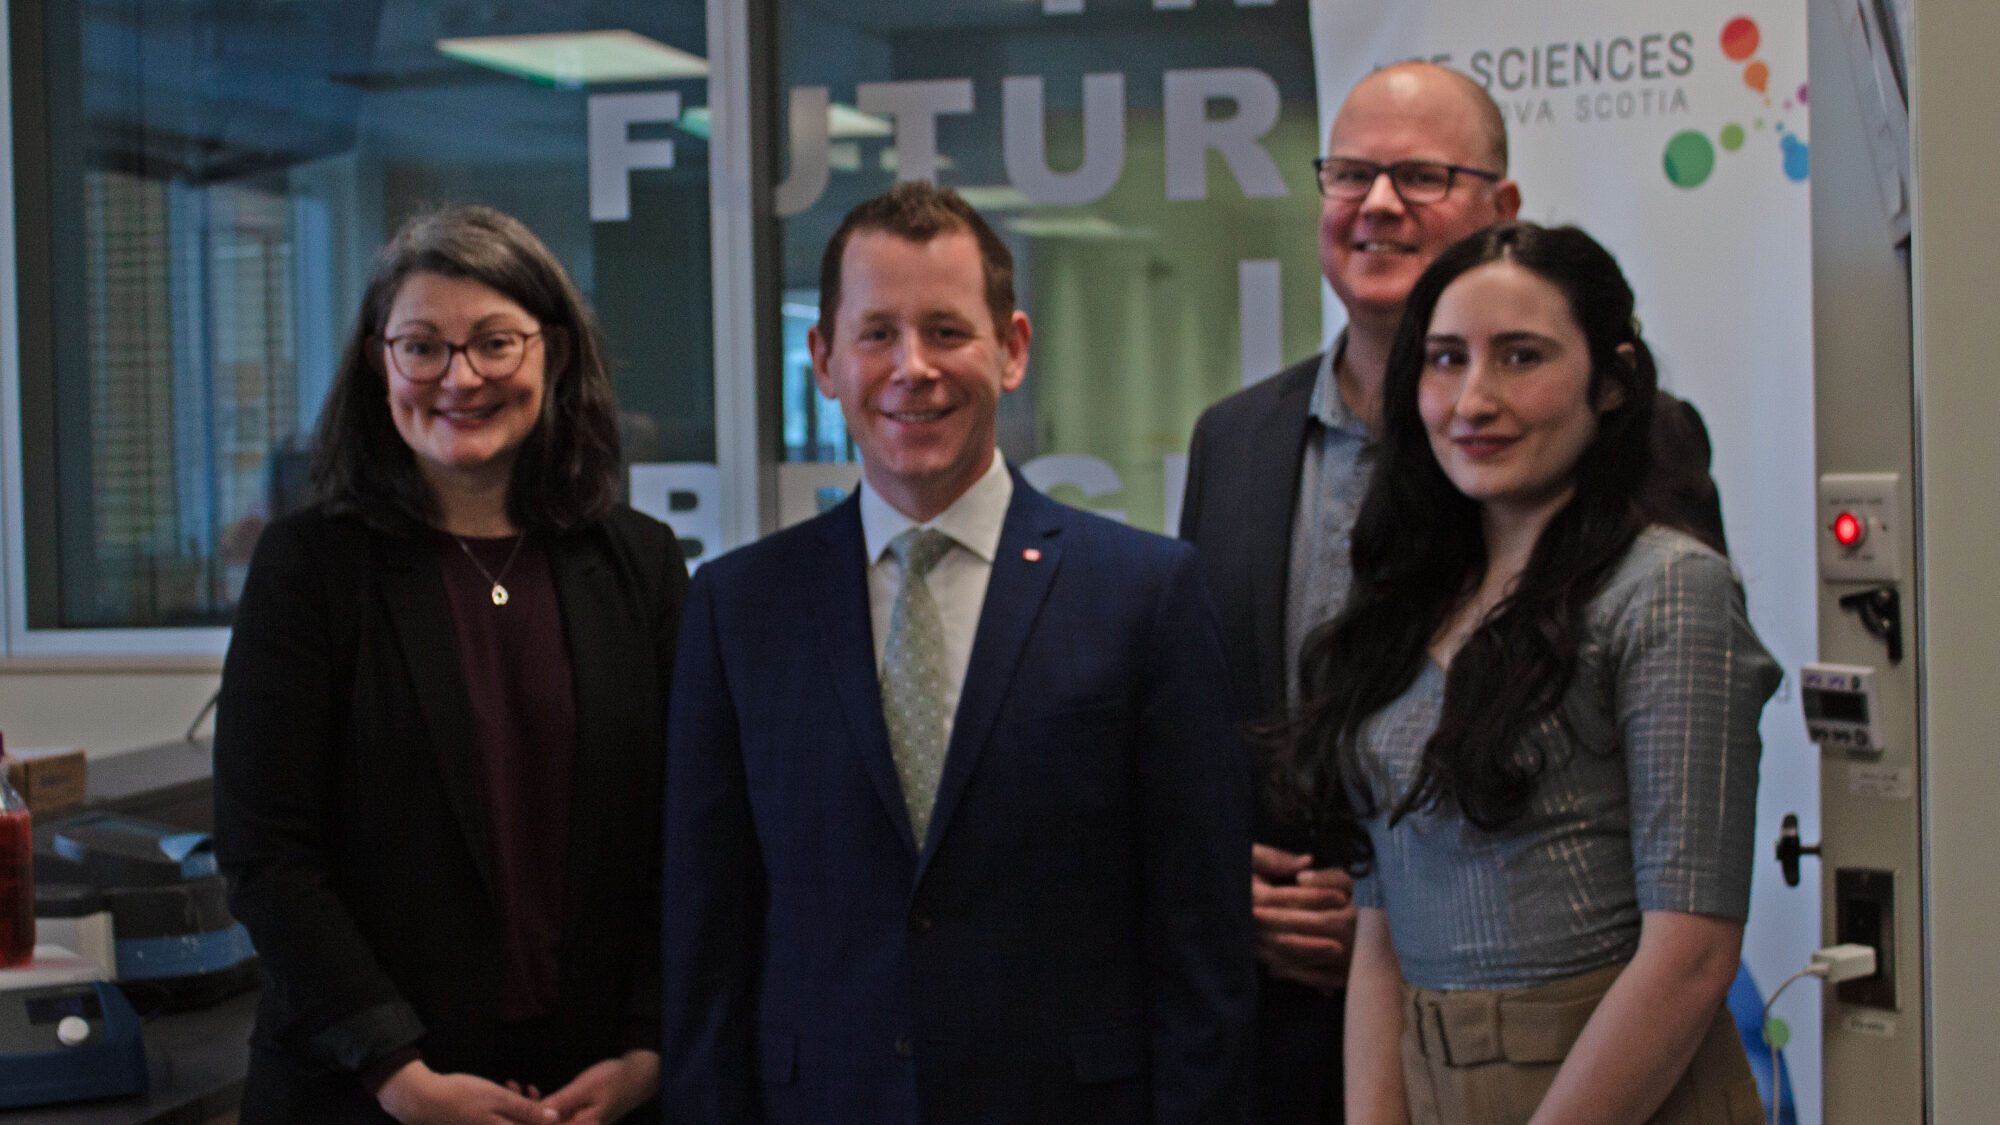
1797	158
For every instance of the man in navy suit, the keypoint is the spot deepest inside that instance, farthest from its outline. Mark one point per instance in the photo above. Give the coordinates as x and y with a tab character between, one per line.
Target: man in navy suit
958	820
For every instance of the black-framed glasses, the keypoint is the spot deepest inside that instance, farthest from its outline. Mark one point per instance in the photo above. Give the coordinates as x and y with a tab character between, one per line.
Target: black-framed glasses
1415	181
424	357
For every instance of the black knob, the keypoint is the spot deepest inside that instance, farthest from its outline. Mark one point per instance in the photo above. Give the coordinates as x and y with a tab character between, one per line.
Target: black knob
1790	848
1881	612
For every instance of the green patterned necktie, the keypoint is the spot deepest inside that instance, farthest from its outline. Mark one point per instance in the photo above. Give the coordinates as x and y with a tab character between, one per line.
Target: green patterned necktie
913	676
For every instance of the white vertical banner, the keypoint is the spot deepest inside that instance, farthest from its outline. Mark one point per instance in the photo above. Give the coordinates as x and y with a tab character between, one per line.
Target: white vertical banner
1678	136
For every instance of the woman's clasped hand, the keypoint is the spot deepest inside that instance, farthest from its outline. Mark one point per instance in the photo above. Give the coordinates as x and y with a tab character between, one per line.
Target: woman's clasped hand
602	1093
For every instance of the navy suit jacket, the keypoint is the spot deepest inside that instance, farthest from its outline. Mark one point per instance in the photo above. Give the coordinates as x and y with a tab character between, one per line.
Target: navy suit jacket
1073	942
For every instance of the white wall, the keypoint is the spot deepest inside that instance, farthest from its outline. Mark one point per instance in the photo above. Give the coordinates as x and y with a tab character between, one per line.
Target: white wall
1862	394
103	706
1956	161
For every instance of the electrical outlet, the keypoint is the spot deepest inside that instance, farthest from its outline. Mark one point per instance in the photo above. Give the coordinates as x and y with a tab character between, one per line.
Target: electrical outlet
1864	913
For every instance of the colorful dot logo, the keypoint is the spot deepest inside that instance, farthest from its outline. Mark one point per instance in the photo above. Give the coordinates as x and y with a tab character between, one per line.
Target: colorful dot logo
1690	156
1757	76
1689	159
1798	158
1740	38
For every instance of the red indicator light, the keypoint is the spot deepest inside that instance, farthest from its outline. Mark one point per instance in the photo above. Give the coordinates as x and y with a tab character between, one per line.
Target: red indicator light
1848	530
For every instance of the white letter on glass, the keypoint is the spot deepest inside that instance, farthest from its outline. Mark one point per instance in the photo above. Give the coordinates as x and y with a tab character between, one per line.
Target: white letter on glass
1260	305
1191	133
1026	149
915	106
613	152
1173	475
687	495
808	124
1093	476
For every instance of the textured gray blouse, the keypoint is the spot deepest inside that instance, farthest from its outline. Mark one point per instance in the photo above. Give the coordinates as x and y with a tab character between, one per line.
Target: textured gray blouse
1649	800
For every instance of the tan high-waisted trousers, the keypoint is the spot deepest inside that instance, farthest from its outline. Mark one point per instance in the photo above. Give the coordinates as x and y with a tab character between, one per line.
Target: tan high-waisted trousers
1487	1058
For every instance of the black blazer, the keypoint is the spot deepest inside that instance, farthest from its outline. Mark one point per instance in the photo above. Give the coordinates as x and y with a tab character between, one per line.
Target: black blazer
351	822
1242	488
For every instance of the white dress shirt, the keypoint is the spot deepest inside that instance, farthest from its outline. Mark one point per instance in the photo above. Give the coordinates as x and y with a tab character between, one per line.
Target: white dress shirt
958	581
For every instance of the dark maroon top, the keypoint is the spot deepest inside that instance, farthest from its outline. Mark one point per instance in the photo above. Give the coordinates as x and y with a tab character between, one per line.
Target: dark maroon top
517	673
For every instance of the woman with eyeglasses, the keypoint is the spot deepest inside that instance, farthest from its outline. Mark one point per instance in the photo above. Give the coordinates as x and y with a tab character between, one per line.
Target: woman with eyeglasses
1535	723
438	751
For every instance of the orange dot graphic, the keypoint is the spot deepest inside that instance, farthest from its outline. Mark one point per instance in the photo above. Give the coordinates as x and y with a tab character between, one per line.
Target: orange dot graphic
1757	76
1740	38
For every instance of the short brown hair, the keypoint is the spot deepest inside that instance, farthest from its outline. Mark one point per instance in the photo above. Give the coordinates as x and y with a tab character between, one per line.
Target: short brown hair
919	211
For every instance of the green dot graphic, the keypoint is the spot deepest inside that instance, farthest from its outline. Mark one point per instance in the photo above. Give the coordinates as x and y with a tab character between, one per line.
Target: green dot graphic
1732	137
1689	159
1777	1032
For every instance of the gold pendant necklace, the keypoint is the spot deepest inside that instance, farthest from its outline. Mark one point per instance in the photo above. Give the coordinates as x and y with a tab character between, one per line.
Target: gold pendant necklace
499	591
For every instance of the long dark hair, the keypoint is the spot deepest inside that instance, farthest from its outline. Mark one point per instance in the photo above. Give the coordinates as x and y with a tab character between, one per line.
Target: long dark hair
566	475
1419	551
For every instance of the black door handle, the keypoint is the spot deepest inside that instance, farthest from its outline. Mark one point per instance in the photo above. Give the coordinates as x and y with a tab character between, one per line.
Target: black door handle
1881	611
1790	848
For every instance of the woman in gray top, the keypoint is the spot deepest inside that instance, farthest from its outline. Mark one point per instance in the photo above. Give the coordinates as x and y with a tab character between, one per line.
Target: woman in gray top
1534	729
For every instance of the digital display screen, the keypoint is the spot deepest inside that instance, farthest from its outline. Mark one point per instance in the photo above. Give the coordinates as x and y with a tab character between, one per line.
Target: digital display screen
52	1009
1835	706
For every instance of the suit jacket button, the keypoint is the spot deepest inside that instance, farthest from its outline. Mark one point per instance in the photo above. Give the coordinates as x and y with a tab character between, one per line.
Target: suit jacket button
903	1048
920	922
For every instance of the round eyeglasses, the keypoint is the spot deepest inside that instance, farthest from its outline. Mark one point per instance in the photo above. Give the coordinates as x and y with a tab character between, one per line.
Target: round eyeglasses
422	357
1414	181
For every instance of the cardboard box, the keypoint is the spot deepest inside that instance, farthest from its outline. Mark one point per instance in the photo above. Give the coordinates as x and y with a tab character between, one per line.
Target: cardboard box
47	777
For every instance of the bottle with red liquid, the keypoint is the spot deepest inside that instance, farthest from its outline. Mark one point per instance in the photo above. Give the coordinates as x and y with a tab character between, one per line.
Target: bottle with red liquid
17	875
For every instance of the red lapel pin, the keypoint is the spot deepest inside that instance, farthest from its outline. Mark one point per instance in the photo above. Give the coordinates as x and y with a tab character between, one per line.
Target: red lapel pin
1032	555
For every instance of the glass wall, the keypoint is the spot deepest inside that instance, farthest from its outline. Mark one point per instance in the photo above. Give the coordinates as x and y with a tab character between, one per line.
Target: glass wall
199	190
200	185
1149	164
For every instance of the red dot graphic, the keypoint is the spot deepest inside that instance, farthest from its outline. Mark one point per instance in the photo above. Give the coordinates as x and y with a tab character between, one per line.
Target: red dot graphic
1739	38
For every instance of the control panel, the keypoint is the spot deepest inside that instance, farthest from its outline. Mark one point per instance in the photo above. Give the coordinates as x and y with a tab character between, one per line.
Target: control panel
67	1042
1840	707
1860	524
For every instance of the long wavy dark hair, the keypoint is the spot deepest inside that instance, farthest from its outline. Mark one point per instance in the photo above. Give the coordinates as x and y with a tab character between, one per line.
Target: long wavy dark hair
1419	551
566	475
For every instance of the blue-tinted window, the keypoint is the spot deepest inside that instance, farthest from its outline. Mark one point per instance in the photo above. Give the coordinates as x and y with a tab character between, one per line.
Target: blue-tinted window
200	188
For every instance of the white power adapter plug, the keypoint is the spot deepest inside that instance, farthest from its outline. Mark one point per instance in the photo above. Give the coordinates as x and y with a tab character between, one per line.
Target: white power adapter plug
1833	964
1837	963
